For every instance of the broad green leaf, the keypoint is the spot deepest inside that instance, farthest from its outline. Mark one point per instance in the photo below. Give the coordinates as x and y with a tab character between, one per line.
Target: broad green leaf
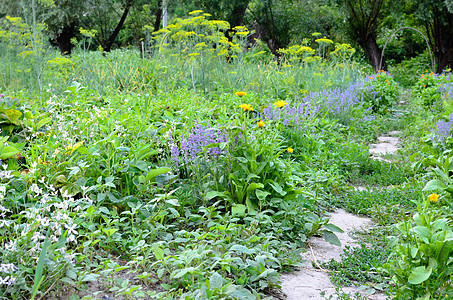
243	294
141	165
104	210
434	185
216	281
8	152
13	115
423	233
445	250
419	275
251	176
212	194
238	210
261	195
241	249
109	232
158	252
183	272
332	238
155	172
253	186
82	150
28	114
277	188
333	228
90	277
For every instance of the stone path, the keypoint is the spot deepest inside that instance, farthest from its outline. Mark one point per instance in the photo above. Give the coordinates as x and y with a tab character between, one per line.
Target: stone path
311	279
388	144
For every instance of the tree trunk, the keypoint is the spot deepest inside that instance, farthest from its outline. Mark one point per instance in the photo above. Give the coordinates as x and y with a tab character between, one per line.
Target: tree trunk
236	18
63	40
444	47
158	16
111	40
373	53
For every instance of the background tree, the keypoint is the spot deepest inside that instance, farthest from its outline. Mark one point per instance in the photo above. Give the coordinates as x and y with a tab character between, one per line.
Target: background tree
437	21
363	20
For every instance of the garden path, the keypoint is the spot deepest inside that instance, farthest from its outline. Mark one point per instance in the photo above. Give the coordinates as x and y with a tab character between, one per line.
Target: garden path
311	279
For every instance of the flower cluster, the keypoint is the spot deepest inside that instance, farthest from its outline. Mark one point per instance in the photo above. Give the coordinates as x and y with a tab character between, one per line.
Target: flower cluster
8	270
340	103
442	132
288	114
191	146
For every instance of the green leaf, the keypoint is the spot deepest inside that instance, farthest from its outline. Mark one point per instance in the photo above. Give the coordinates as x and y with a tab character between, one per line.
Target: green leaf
158	252
40	267
238	210
331	238
43	122
434	185
261	195
90	277
13	115
253	186
419	275
216	281
156	172
243	294
423	233
8	152
183	272
212	194
277	188
333	228
104	210
241	249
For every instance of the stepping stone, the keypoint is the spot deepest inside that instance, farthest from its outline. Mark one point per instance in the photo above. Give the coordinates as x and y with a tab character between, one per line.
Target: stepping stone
309	281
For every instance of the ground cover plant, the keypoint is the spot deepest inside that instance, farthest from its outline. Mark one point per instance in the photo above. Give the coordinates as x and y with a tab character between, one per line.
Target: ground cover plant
200	170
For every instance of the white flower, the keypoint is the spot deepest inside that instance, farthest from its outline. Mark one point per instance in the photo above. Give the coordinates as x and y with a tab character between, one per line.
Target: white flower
71	228
35	189
7	268
4	280
37	236
5	223
11	246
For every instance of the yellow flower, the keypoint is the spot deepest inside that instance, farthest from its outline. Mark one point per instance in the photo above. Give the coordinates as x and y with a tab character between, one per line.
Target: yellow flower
280	103
260	124
246	107
290	150
240	94
434	198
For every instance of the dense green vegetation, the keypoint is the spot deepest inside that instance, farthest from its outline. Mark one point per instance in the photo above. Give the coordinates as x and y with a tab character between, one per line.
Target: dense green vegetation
200	166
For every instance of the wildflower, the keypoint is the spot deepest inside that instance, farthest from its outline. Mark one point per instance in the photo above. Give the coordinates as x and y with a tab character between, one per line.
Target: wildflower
260	124
280	103
290	150
433	198
246	107
240	94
